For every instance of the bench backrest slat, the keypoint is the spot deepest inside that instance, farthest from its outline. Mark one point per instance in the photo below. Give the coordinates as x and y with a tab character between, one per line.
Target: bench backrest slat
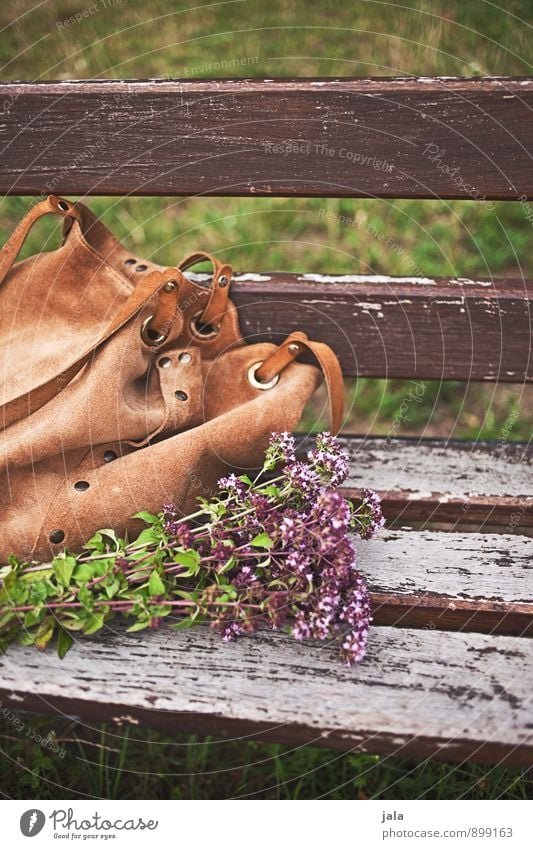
420	328
391	138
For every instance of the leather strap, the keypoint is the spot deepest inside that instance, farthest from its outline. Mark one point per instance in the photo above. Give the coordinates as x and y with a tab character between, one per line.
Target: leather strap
166	312
11	249
217	304
287	352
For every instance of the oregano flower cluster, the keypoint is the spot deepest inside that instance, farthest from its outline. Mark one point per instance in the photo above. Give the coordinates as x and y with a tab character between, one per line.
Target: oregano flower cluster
277	551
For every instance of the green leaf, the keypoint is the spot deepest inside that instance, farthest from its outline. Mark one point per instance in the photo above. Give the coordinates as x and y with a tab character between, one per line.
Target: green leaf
83	572
86	597
112	586
149	518
270	490
156	585
190	559
32	617
64	642
183	623
138	626
44	635
111	534
227	566
63	567
73	624
262	541
93	623
245	479
6	618
187	558
96	543
147	536
31	577
38	592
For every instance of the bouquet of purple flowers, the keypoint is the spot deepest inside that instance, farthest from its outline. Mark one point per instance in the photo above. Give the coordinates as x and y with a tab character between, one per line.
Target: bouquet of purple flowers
275	551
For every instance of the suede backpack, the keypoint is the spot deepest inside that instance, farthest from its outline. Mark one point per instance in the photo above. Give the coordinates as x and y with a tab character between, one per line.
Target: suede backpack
126	385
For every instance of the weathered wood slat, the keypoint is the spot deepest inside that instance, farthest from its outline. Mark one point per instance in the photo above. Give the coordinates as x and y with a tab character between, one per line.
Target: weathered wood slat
457	482
405	137
419	693
468	582
380	326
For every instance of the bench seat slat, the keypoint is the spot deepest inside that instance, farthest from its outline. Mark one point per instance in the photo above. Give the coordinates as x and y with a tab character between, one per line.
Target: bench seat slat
417	693
405	137
451	581
399	327
460	483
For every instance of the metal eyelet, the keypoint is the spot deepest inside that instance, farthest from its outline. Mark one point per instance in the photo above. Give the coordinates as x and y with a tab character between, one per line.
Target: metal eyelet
257	384
63	205
202	330
151	337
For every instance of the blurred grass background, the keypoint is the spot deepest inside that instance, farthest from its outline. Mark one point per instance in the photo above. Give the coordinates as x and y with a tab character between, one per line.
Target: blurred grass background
134	39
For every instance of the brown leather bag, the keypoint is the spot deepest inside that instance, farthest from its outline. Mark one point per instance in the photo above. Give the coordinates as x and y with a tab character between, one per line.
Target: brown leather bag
126	385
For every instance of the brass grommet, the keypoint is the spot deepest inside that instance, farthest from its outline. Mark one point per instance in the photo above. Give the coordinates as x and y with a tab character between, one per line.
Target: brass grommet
63	205
257	384
201	330
223	281
170	286
149	336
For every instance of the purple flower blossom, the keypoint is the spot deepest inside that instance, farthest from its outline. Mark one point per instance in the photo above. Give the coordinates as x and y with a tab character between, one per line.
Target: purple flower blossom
372	513
302	478
233	485
230	631
329	460
281	449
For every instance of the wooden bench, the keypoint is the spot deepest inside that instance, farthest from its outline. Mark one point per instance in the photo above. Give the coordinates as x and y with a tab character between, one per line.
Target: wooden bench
449	668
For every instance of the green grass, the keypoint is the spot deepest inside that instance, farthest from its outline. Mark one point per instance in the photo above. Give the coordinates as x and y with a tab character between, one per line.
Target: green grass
285	38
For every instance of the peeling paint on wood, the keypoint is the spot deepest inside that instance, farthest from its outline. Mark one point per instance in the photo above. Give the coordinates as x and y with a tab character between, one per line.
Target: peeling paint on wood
382	326
482	125
419	692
